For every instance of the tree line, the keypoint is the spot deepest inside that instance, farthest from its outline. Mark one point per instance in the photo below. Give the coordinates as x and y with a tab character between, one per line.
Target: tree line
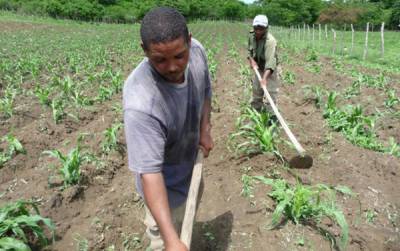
279	12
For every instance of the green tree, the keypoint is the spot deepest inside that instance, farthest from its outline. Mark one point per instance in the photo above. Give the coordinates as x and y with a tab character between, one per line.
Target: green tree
233	10
395	17
286	12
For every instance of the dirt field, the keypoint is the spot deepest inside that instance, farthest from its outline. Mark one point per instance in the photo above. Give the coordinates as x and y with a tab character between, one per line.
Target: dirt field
104	212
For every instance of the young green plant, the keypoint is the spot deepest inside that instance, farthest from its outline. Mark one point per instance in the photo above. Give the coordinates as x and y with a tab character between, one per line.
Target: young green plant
18	225
71	163
254	134
302	203
110	141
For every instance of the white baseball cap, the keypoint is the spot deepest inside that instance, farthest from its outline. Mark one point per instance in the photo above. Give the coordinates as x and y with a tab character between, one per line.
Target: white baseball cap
260	20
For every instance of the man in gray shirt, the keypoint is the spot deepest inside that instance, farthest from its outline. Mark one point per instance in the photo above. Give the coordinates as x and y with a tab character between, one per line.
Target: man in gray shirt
167	105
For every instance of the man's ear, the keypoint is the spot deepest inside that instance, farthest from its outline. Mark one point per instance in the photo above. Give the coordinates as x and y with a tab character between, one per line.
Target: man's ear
144	48
190	39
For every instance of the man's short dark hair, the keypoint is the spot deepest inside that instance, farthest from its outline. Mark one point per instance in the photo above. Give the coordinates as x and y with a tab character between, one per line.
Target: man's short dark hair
163	24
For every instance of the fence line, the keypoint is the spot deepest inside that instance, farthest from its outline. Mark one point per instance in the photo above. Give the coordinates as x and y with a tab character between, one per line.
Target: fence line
340	45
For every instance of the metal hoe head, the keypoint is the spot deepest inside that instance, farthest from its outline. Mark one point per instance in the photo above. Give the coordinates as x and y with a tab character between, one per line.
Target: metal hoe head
301	162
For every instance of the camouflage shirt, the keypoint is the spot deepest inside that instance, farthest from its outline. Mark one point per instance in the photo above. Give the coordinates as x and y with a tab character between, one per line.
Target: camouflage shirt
263	51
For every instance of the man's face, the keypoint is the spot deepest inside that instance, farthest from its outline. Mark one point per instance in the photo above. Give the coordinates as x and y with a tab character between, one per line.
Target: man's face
170	59
259	31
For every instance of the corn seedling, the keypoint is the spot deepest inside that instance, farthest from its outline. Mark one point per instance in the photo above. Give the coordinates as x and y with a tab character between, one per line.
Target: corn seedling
71	163
110	141
254	133
116	82
57	108
312	55
315	93
338	66
117	108
353	90
357	128
42	94
79	99
314	68
378	82
309	204
247	190
212	62
105	93
4	157
14	145
232	53
131	242
7	102
67	86
9	243
394	147
244	71
111	248
82	243
18	225
289	78
392	99
370	216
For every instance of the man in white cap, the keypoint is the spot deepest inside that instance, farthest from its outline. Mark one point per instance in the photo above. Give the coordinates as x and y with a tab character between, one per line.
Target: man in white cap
262	55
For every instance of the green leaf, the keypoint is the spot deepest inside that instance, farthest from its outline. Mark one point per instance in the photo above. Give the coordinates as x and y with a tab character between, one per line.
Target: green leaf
12	244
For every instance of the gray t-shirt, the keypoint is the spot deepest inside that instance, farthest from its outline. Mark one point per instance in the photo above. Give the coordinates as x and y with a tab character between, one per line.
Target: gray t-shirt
162	122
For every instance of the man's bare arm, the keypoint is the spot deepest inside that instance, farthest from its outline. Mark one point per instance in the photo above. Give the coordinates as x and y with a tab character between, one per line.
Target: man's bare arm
156	198
206	141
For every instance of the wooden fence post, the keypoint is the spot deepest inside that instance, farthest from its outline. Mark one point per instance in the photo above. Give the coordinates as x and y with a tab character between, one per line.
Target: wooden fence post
313	35
366	43
382	40
334	41
352	39
304	31
319	32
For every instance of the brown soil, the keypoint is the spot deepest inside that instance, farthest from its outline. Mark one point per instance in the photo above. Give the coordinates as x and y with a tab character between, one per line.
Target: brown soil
105	210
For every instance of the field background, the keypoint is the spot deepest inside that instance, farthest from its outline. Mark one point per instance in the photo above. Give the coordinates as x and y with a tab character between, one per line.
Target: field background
83	66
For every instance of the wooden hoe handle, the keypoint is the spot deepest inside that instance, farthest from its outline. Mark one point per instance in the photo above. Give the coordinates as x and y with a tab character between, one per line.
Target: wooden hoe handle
190	211
285	127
